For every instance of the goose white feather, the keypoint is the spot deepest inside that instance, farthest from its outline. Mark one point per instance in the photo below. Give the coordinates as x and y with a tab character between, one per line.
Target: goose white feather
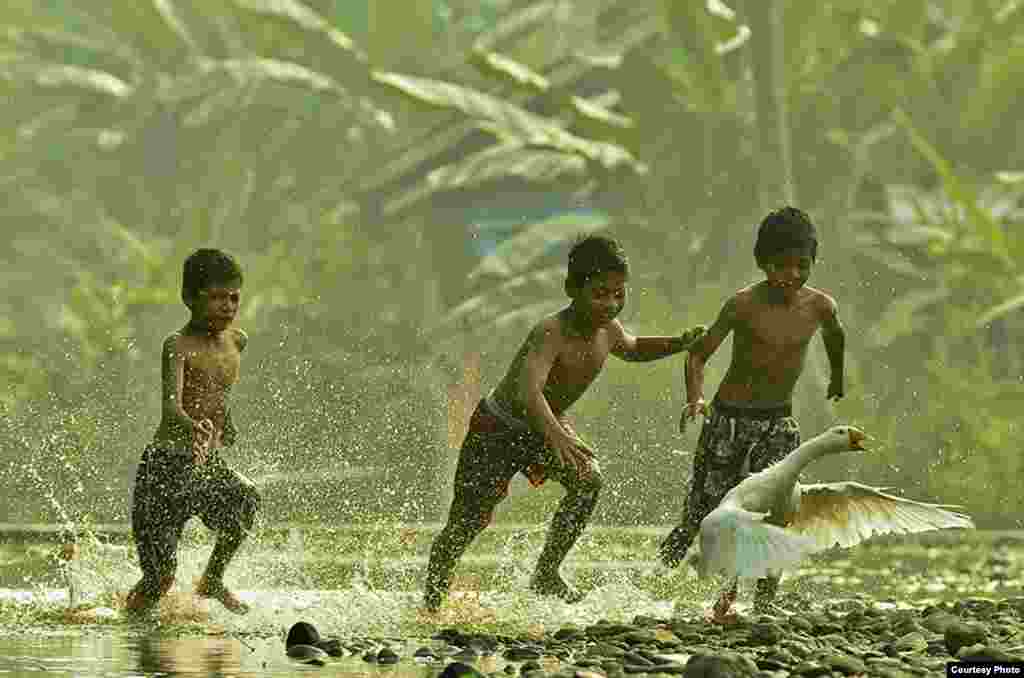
770	521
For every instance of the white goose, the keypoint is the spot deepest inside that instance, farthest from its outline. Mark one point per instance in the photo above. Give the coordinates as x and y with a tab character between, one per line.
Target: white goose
770	521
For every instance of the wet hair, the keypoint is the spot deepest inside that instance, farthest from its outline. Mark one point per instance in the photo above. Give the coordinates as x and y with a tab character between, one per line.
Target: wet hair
785	229
205	268
594	255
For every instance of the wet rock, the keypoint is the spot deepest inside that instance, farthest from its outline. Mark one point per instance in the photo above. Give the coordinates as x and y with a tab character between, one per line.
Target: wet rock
800	649
960	634
605	650
568	633
723	665
531	665
776	660
387	656
911	642
844	664
518	654
765	634
976	607
468	654
307	654
460	670
939	621
424	653
810	669
638	637
981	652
635	659
371	657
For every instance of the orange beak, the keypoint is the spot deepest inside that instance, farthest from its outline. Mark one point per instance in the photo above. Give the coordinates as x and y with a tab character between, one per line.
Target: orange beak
857	439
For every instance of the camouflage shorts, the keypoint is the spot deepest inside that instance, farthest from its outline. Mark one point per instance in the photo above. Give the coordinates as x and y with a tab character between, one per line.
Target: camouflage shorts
733	444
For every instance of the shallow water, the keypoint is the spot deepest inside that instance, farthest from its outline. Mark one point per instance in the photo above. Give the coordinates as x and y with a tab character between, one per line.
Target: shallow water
372	595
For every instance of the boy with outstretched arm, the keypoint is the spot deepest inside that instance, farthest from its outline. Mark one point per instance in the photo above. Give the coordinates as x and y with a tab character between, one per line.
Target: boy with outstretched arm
182	473
521	426
750	423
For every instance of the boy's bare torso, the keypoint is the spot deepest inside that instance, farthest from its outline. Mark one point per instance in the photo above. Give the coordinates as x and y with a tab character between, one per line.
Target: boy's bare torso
580	359
770	339
210	368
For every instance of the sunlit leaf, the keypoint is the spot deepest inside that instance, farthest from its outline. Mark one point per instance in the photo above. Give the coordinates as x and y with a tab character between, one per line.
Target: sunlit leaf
63	75
961	194
1010	177
904	316
504	67
505	118
300	14
1005	308
597	112
495	162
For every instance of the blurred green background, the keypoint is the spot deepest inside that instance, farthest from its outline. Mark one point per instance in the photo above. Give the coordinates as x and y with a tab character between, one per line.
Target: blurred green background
401	179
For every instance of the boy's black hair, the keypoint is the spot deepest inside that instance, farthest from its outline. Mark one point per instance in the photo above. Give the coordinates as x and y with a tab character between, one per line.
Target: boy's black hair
208	267
593	255
785	229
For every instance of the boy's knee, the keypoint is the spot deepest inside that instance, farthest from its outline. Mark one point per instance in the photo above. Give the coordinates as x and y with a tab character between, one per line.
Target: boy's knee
592	483
250	507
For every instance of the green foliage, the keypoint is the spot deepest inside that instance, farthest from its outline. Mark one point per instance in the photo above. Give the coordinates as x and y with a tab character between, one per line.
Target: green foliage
134	135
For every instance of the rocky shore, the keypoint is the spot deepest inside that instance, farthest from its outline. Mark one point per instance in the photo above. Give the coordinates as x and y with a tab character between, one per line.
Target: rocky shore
847	638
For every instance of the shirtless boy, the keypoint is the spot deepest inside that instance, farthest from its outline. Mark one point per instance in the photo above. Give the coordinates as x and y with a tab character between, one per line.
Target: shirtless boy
521	425
750	425
182	473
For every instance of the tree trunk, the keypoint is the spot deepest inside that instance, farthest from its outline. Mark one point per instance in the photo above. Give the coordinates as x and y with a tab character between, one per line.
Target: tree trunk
768	66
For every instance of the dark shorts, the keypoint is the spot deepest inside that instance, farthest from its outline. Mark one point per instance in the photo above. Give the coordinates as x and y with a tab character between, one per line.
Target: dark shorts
493	452
170	489
733	444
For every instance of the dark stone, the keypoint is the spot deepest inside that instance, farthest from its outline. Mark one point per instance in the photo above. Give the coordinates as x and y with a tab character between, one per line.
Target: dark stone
724	665
460	670
518	654
387	656
307	654
960	634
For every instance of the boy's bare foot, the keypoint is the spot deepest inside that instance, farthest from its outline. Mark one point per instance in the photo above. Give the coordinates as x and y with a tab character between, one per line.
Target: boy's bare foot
722	612
554	585
141	600
728	617
221	594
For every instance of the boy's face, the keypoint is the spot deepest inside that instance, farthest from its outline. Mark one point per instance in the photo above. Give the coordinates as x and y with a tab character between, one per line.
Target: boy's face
788	271
215	307
602	297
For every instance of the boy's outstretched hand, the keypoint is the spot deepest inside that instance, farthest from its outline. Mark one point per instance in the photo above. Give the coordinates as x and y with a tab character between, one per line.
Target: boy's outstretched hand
572	452
690	411
835	390
692	336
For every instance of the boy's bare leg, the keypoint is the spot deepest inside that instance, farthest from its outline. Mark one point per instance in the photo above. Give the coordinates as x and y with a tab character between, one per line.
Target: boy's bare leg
722	612
567	525
764	595
445	553
211	585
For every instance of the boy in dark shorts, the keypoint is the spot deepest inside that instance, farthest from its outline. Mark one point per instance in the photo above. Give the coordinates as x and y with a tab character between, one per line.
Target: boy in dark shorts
750	424
521	426
182	473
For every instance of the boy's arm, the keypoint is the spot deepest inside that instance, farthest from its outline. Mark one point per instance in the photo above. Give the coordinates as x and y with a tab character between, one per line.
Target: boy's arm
542	350
172	372
700	353
643	349
834	337
230	433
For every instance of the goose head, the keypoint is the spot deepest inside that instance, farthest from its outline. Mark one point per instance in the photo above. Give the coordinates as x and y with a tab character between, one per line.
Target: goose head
839	439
